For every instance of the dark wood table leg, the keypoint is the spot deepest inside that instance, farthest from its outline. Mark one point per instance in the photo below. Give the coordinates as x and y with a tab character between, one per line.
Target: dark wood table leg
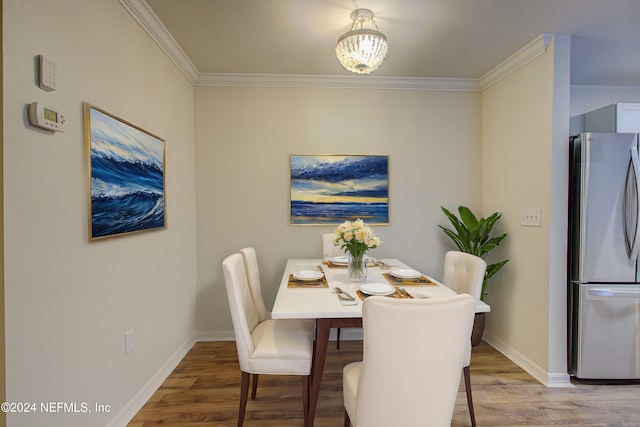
323	327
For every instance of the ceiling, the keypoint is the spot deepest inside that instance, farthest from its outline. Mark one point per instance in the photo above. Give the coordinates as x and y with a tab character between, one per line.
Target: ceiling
452	39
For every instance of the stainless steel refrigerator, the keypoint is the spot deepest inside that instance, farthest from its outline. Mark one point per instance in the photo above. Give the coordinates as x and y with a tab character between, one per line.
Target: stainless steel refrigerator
604	242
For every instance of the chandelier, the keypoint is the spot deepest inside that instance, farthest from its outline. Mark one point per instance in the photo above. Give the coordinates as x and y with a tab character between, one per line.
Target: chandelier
362	50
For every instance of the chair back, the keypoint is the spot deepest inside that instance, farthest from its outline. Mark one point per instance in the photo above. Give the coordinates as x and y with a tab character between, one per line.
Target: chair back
244	314
329	249
464	273
412	358
253	276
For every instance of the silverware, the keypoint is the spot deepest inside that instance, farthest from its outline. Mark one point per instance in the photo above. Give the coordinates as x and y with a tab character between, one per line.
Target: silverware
377	263
343	294
346	294
341	297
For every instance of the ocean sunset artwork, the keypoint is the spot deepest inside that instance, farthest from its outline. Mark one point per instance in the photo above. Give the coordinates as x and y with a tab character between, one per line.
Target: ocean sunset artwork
331	189
126	176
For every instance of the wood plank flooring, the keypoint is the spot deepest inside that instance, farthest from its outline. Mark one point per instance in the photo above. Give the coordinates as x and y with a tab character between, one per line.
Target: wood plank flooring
203	391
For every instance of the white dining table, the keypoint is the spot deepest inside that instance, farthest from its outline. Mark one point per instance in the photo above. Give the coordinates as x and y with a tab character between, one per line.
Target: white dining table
321	304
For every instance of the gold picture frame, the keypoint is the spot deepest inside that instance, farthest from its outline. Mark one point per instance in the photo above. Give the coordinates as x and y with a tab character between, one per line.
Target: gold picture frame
329	189
126	167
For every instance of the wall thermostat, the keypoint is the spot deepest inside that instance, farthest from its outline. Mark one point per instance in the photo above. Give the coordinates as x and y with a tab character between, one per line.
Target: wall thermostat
46	117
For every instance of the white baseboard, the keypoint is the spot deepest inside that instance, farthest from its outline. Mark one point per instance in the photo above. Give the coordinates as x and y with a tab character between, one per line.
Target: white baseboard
548	379
126	414
559	380
346	334
215	336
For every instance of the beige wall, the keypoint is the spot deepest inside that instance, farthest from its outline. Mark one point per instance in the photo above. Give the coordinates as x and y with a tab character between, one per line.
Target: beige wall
525	131
3	394
68	301
244	138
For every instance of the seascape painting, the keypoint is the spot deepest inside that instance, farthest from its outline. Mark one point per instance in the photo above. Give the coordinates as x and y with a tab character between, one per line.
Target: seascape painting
126	167
331	189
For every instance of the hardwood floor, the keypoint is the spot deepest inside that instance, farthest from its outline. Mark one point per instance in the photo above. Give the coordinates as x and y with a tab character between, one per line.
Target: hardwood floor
203	391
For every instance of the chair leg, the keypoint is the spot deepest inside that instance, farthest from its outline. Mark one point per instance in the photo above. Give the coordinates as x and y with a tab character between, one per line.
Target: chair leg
254	387
306	388
244	391
467	386
347	420
338	339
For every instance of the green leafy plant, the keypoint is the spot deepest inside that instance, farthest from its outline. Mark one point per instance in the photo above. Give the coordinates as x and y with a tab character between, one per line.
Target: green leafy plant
471	235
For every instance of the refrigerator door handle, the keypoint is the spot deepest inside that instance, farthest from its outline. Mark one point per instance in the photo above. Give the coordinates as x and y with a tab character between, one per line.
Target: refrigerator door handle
631	206
605	292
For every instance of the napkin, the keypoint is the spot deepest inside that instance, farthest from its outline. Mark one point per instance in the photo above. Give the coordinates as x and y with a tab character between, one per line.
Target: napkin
344	301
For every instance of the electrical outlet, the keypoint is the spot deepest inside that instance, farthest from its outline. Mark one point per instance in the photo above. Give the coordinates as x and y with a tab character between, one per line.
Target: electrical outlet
129	339
530	217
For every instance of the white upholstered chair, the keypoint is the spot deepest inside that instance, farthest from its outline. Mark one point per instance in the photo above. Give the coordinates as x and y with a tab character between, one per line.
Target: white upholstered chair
464	274
329	249
253	276
279	347
413	352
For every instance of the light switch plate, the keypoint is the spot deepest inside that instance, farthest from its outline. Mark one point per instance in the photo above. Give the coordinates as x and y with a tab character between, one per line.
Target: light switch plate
530	217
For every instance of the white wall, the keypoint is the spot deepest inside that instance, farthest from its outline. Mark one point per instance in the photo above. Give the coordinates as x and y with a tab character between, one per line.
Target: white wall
68	301
523	136
558	211
245	136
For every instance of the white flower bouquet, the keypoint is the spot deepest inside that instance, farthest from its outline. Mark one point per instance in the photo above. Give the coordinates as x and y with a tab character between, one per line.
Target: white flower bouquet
356	238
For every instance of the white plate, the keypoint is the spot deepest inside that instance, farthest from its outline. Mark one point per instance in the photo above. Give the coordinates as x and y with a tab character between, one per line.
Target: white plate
401	273
377	289
308	275
341	260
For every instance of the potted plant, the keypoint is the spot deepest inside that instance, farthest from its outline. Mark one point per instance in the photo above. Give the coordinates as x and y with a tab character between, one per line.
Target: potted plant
472	235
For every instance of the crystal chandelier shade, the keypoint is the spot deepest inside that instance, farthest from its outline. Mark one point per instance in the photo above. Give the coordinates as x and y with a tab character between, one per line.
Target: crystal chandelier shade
362	50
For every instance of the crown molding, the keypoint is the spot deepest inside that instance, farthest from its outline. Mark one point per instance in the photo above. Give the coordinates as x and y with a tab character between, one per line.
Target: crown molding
529	52
339	82
150	23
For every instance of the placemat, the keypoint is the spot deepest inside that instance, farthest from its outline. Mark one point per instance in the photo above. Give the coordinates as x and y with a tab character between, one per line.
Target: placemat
369	265
422	281
297	283
396	294
332	265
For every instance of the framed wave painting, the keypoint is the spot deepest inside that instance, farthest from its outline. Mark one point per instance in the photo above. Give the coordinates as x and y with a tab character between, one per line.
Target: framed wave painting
331	189
126	176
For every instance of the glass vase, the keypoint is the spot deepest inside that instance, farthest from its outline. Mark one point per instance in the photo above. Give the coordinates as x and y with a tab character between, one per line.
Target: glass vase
357	268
